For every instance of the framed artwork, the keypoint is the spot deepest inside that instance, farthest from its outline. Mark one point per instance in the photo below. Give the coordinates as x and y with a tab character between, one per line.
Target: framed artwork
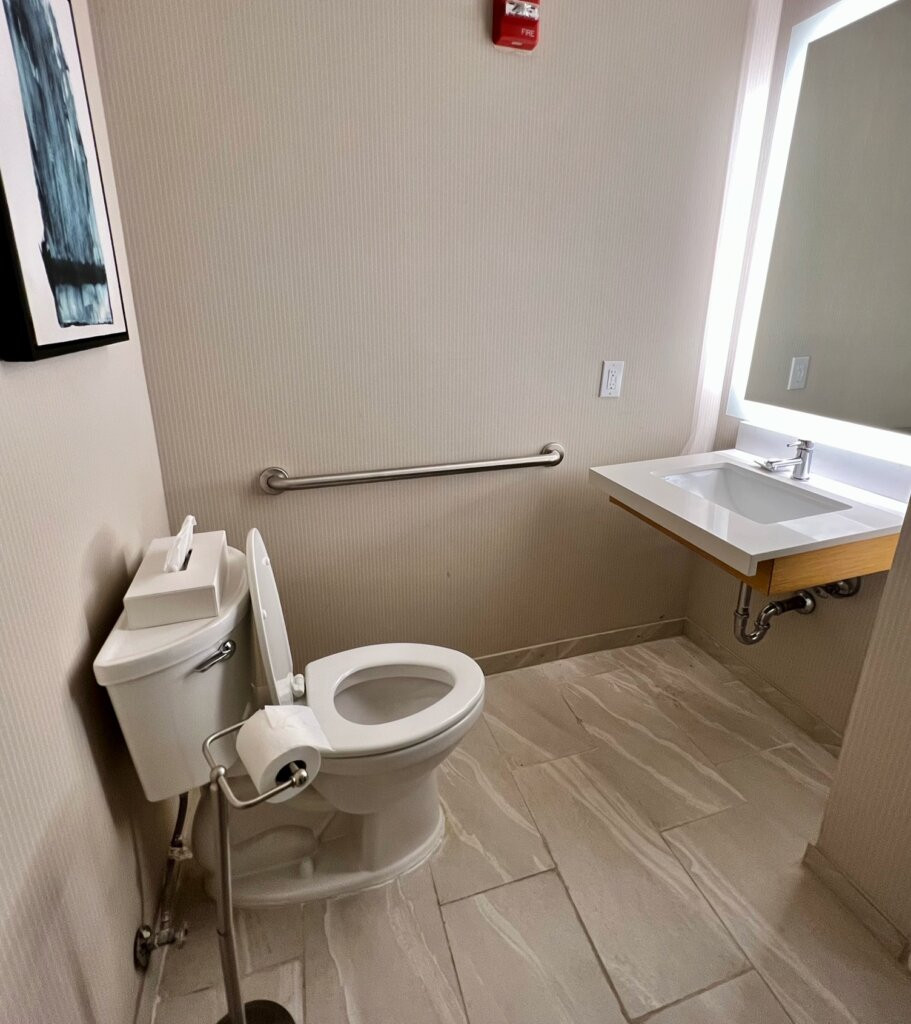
59	286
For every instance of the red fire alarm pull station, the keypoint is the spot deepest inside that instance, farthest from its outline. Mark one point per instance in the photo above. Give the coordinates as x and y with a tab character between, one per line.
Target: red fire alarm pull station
515	23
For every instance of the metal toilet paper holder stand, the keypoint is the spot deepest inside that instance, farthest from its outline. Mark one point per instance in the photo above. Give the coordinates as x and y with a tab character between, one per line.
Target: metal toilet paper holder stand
260	1011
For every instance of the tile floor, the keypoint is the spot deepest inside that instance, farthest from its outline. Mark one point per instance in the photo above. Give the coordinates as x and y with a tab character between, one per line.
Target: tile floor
624	840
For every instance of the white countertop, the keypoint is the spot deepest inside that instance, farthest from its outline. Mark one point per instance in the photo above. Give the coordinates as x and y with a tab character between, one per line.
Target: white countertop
732	538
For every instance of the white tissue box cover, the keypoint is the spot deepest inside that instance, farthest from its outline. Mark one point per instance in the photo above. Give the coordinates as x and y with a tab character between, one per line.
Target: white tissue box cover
158	598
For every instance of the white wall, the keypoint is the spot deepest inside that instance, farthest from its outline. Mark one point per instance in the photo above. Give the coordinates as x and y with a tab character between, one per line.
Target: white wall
81	849
866	832
365	237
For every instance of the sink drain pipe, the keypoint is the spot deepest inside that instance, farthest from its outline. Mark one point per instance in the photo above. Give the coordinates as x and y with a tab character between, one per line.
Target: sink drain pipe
803	602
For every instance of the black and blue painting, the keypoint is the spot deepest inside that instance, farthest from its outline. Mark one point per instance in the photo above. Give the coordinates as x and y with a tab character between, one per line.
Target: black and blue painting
70	247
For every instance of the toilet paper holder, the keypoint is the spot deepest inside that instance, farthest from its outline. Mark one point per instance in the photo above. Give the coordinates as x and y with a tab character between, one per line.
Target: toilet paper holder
260	1011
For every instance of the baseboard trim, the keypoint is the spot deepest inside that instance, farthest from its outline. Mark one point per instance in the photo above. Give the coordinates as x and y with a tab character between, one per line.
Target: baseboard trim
874	920
523	657
813	726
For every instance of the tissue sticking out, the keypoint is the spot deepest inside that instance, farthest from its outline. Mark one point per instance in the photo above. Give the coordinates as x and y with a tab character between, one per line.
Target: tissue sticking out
179	552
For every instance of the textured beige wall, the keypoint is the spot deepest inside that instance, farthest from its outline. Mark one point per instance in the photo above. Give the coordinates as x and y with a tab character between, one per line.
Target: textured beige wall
81	849
866	832
837	284
362	237
815	661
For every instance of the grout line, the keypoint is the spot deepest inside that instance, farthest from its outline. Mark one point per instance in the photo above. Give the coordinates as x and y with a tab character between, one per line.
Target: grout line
703	817
507	757
598	959
455	970
694	995
605	972
553	760
749	965
499	885
709	904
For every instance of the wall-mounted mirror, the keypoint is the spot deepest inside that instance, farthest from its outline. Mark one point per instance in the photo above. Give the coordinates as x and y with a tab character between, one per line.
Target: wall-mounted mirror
831	314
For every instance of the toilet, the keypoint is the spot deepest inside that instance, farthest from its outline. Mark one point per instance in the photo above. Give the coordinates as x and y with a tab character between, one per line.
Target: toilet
390	714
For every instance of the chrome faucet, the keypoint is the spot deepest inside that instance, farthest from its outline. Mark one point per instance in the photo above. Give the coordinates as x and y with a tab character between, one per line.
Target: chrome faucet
801	464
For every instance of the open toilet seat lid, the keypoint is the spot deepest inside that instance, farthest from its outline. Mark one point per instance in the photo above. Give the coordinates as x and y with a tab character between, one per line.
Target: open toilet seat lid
271	631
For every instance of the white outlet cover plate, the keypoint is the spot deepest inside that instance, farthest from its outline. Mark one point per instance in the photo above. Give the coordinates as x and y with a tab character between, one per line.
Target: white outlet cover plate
800	368
611	379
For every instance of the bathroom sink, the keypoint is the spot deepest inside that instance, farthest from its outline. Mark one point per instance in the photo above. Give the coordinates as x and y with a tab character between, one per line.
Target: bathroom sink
760	499
722	505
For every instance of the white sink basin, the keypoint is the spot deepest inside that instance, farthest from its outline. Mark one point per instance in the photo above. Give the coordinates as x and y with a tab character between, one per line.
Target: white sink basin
722	504
761	499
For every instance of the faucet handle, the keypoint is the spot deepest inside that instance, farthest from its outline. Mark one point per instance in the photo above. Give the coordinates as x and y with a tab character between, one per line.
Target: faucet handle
801	443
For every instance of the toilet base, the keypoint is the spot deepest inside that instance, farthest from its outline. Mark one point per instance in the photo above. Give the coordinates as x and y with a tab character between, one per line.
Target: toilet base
285	864
335	873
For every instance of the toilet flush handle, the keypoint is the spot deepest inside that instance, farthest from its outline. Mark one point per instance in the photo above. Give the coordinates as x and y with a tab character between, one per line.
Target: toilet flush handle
225	651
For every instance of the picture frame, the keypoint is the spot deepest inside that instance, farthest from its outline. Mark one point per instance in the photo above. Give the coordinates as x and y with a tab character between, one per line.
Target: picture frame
60	286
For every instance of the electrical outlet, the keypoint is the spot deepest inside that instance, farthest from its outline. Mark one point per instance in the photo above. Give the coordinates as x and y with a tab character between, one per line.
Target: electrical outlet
797	378
611	379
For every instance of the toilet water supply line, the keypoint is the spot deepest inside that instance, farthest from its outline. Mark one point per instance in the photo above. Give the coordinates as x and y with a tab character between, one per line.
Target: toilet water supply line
149	938
804	603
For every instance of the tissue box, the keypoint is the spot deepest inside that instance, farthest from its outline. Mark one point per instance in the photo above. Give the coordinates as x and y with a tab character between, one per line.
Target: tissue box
157	598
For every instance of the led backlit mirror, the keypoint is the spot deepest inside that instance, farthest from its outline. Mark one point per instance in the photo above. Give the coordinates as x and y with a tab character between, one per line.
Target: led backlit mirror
831	330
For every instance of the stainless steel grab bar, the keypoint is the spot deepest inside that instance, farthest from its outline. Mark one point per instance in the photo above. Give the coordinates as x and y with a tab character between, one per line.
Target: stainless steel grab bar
275	480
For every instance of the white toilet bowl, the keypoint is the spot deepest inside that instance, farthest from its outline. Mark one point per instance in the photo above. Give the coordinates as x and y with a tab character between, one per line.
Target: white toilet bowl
390	714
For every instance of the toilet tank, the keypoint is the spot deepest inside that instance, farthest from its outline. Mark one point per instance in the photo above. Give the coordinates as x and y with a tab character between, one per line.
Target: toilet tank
165	704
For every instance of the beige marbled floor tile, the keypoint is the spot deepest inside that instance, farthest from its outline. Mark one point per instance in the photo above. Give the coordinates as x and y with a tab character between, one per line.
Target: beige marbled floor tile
784	784
196	1008
549	672
824	735
824	757
745	1000
724	718
529	718
269	936
380	957
820	962
642	752
794	712
681	655
655	934
523	958
490	837
588	664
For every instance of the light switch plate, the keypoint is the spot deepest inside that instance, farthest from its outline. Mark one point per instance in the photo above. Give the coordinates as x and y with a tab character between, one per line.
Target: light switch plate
611	379
797	378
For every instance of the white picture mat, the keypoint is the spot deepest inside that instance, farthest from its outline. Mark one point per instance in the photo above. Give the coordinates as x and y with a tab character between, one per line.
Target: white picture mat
17	174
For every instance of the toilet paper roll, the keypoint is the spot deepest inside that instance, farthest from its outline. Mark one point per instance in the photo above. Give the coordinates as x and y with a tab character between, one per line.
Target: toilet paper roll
274	737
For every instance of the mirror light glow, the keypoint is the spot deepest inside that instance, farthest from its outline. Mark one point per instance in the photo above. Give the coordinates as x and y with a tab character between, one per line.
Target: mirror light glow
884	444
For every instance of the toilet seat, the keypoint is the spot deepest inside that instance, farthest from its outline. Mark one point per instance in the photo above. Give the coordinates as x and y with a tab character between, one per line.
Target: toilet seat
424	690
414	673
